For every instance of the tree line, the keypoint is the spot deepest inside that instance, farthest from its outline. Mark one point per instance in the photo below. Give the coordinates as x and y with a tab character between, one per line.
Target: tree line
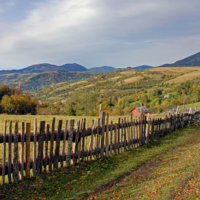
13	101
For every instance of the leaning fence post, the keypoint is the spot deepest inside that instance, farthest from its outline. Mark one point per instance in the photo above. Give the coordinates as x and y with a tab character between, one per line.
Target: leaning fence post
102	122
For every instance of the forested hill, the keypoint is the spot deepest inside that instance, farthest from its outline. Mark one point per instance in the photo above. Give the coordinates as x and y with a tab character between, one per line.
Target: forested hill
142	67
44	67
103	68
35	81
193	60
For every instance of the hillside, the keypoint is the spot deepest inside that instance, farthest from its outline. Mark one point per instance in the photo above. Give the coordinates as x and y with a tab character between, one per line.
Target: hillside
121	91
103	68
45	67
193	60
35	81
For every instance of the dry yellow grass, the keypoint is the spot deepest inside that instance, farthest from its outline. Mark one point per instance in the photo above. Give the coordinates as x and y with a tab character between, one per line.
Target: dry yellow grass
116	77
129	72
169	70
91	85
185	77
133	79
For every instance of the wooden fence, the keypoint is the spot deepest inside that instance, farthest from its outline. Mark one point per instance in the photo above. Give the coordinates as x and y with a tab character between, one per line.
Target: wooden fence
43	150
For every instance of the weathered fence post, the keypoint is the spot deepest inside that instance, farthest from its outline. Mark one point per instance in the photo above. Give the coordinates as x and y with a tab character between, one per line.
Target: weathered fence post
46	146
34	148
132	134
69	146
122	135
98	141
10	152
107	132
80	136
124	138
57	149
75	149
28	132
115	138
152	129
147	129
15	152
102	122
64	141
22	151
40	147
83	138
4	154
51	144
111	138
128	133
118	126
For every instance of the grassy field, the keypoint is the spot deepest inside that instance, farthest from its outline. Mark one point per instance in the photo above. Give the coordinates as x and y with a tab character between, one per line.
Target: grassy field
167	168
194	105
47	118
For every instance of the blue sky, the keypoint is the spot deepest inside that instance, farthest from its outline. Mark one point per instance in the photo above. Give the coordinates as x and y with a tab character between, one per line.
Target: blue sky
97	32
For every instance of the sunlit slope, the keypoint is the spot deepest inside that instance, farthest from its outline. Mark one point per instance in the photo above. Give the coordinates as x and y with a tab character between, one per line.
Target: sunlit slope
121	83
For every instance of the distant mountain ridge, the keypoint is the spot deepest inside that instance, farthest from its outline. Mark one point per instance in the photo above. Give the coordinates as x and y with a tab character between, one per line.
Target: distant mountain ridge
192	61
44	67
142	67
103	68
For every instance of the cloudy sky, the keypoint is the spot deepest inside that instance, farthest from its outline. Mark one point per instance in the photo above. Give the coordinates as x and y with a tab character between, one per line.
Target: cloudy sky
93	33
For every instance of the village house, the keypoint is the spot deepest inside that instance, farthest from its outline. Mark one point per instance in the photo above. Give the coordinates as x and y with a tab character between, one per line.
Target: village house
166	96
137	111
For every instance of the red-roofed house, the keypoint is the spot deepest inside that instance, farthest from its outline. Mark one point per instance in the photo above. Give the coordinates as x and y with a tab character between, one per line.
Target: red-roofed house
136	111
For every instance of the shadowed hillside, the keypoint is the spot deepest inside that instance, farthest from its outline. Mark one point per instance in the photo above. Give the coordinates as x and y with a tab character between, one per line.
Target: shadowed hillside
38	68
193	60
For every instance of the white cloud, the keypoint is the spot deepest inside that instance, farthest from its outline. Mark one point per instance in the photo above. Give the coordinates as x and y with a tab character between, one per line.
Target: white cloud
93	32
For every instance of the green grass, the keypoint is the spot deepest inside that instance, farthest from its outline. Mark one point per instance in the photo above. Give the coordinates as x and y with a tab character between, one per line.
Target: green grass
174	158
197	104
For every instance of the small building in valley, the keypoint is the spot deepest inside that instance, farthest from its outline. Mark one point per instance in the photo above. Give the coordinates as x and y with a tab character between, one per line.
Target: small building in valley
137	111
166	96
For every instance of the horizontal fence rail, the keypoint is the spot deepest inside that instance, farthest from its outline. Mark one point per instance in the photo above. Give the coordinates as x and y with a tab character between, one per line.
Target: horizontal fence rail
26	154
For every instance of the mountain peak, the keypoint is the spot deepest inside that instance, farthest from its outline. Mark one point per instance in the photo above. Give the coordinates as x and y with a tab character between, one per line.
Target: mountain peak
191	61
